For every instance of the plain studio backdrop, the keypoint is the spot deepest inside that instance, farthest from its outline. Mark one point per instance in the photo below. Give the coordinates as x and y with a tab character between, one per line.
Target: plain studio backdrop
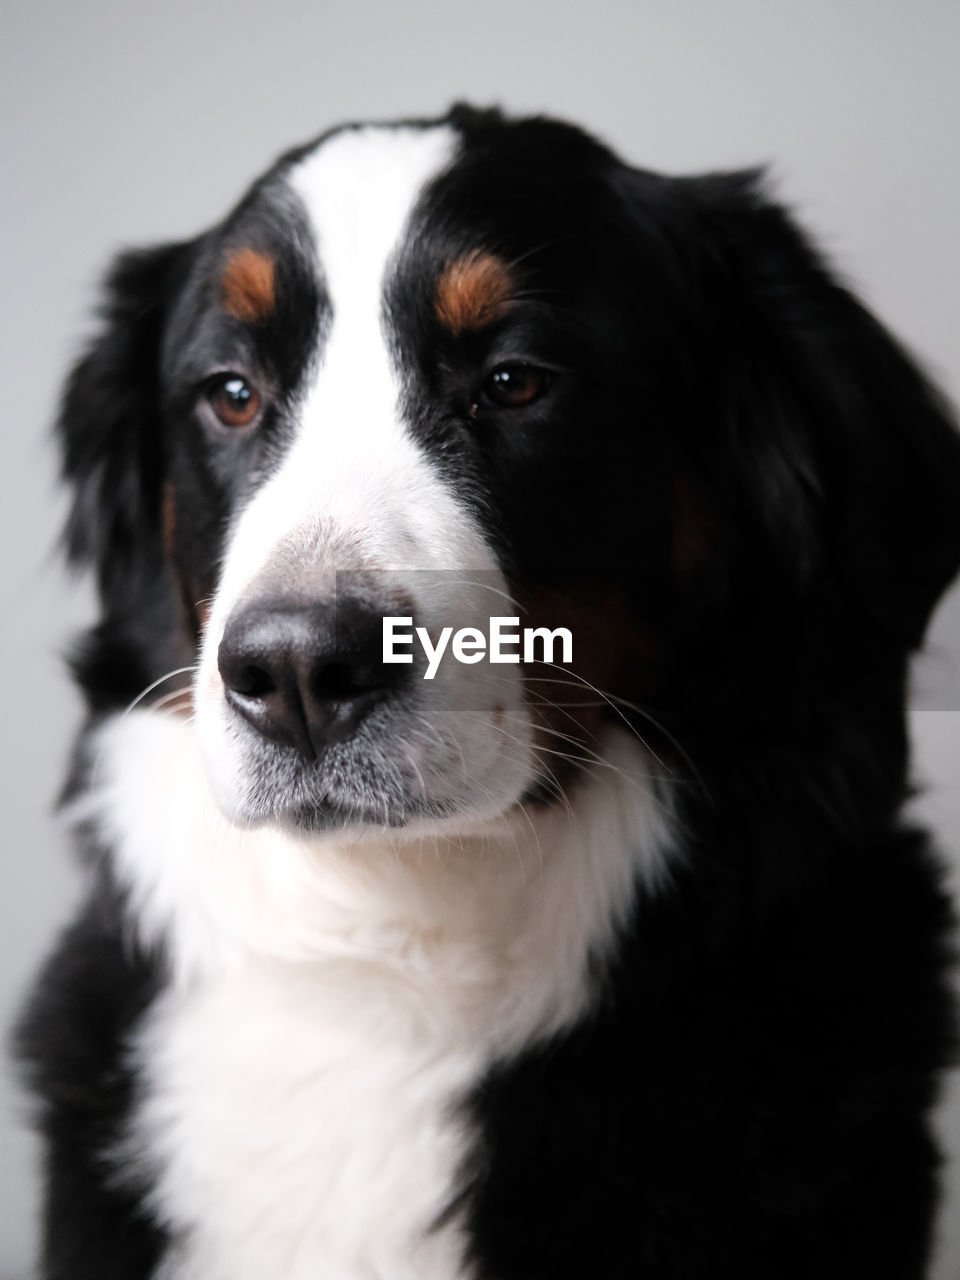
130	123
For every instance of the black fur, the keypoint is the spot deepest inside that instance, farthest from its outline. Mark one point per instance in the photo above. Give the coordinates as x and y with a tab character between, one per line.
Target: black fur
91	993
747	1102
737	447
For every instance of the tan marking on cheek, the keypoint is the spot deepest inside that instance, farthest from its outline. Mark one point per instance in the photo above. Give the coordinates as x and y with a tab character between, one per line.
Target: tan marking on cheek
473	291
168	519
690	549
613	654
248	286
182	705
195	612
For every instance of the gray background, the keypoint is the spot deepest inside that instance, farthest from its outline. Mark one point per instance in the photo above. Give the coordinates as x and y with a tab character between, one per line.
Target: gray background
127	123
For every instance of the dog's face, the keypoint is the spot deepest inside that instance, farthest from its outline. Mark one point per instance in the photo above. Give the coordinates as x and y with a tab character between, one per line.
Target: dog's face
399	395
480	368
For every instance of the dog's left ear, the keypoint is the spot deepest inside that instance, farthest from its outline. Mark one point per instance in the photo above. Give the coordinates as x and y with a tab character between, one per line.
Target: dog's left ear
827	440
110	429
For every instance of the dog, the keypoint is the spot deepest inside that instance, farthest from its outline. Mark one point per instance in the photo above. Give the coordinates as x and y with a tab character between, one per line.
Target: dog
610	960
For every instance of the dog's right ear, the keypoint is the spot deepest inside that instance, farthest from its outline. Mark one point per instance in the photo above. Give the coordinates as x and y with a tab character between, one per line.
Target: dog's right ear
109	427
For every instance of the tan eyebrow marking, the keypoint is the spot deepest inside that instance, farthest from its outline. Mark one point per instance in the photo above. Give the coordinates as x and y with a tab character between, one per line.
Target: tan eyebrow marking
247	288
473	291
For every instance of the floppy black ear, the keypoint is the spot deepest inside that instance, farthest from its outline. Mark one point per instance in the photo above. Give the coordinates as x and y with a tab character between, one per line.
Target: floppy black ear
110	428
844	455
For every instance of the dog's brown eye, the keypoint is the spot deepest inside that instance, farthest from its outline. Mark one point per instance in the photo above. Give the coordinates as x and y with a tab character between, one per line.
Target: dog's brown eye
234	400
513	386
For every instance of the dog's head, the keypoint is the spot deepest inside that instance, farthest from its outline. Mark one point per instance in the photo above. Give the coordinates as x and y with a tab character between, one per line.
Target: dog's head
479	367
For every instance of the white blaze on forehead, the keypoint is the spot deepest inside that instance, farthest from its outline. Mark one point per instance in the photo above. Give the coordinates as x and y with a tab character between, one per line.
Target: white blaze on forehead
359	189
354	481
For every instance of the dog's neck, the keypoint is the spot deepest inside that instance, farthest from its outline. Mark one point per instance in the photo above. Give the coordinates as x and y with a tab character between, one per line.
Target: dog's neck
499	918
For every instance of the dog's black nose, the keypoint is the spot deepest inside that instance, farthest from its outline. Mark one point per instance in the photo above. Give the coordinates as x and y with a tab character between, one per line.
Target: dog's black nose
305	675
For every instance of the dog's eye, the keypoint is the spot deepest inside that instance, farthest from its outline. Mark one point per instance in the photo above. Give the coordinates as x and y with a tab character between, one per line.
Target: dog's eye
513	386
234	400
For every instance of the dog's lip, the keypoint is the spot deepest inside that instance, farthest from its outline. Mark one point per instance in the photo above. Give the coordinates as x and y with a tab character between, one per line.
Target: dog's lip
337	816
327	813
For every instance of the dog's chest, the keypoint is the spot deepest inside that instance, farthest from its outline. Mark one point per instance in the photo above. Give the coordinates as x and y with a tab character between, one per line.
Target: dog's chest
304	1122
330	1007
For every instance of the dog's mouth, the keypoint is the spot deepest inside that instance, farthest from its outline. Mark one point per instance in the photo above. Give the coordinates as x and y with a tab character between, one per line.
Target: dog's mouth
355	784
327	814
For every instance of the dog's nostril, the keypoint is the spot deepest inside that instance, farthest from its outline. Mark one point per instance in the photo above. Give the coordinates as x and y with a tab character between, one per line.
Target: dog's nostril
339	680
250	681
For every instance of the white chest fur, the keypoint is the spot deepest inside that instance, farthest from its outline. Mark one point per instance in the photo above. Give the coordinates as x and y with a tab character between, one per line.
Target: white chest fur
331	1003
301	1121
